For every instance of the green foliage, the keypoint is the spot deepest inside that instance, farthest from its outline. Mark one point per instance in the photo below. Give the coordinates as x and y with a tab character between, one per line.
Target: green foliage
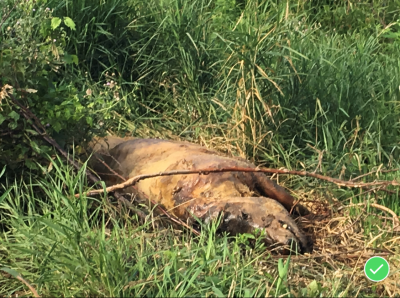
272	67
88	247
283	271
347	17
76	249
309	85
32	69
216	64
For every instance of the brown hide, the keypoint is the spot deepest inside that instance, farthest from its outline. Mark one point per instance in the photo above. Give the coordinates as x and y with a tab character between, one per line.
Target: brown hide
242	197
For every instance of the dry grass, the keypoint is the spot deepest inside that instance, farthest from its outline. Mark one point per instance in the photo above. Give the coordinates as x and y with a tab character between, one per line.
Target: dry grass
342	246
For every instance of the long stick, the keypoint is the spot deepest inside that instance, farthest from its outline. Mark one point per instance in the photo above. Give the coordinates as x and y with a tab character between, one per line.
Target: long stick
350	184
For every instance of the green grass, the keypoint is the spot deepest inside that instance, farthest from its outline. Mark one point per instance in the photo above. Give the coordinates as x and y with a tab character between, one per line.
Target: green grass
85	247
91	247
262	82
305	85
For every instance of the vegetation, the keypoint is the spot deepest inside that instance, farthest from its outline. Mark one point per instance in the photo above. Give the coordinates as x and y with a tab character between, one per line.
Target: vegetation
310	85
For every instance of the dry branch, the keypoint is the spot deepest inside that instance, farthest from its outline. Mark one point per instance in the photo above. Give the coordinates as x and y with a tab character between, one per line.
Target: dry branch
36	124
33	290
336	181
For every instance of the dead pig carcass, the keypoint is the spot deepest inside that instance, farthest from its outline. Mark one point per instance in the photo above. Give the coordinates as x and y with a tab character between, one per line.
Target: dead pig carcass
248	201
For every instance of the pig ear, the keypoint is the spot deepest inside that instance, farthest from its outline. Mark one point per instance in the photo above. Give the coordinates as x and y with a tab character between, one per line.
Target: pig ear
267	220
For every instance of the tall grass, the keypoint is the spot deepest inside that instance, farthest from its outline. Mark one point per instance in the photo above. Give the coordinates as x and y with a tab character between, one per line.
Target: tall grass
273	81
264	78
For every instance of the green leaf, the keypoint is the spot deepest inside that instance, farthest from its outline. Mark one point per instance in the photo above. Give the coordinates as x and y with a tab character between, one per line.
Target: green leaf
393	35
75	59
30	164
69	59
344	112
313	288
32	132
54	226
280	267
69	23
14	115
2	171
218	292
45	28
34	146
247	293
282	271
10	271
5	194
89	121
55	22
249	236
2	118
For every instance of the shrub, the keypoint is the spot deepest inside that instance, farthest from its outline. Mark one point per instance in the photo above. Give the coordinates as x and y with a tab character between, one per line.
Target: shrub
33	64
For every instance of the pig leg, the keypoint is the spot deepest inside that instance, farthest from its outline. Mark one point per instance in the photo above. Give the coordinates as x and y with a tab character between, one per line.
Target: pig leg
269	188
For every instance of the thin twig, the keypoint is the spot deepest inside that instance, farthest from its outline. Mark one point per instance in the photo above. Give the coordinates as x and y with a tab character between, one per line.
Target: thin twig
36	124
349	254
114	173
206	171
28	115
33	290
374	172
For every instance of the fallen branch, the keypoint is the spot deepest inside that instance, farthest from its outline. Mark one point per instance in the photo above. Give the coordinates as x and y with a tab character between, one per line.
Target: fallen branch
36	124
350	184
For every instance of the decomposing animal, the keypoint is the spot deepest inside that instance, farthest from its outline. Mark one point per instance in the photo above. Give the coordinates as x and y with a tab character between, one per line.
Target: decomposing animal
248	201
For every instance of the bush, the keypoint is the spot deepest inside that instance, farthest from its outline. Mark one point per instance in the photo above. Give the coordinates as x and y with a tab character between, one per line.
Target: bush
33	64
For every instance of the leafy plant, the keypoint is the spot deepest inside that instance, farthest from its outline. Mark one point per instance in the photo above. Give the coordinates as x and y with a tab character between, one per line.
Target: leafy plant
32	70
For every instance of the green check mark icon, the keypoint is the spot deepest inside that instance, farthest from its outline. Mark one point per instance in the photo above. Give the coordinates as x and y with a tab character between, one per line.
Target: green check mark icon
376	269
